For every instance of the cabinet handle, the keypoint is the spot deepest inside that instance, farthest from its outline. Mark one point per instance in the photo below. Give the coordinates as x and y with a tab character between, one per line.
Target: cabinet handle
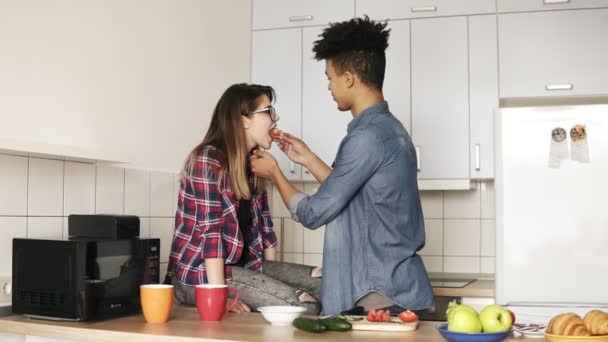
292	168
559	86
301	18
424	9
477	158
307	172
550	2
418	158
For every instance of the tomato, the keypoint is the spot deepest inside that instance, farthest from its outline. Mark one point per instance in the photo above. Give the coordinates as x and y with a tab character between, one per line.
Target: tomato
408	316
275	133
371	316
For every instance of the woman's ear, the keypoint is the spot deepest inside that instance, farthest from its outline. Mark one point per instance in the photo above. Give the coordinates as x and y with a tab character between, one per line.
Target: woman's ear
246	121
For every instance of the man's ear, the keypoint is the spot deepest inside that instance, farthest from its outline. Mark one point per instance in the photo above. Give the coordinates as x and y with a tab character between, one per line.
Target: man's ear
349	79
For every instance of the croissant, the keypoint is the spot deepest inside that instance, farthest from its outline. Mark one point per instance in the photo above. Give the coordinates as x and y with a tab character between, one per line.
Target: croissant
569	324
596	322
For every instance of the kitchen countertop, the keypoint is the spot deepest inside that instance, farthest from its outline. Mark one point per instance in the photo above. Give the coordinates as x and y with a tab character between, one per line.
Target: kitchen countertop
184	325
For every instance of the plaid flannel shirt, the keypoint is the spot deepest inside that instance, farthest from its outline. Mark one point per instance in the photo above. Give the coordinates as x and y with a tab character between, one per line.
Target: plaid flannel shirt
206	224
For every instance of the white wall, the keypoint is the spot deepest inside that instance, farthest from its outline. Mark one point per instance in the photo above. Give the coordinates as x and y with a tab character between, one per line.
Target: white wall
136	79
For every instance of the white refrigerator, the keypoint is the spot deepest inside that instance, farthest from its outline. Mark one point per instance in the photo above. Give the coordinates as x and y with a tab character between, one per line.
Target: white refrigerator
552	208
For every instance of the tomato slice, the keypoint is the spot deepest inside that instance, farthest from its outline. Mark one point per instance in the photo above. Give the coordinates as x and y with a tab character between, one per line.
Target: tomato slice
408	316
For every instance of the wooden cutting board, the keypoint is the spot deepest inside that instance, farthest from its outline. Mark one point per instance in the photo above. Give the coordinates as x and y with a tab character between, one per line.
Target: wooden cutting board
394	325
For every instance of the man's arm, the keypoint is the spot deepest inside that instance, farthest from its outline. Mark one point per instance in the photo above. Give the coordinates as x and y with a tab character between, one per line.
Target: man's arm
318	168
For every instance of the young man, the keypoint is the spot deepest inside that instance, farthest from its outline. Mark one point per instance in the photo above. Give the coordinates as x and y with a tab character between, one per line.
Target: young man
369	197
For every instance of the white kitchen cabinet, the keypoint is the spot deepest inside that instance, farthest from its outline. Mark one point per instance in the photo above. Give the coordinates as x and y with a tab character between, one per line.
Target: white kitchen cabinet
440	97
269	14
483	88
554	53
547	5
397	79
323	125
276	61
404	9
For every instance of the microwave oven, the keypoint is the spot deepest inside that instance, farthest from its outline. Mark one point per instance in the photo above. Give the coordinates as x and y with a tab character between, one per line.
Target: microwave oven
82	279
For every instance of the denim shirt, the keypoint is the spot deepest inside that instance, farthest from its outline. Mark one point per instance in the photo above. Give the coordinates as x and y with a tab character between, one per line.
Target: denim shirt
371	208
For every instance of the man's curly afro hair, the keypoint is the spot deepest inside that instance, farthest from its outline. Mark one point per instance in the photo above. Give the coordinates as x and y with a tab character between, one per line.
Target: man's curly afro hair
356	45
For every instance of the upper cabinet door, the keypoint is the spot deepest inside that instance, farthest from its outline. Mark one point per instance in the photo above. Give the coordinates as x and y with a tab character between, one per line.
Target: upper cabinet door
547	5
323	125
483	88
291	13
397	76
404	9
553	53
440	97
281	69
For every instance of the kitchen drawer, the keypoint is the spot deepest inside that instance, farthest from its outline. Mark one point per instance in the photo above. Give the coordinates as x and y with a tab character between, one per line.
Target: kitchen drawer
404	9
269	14
554	53
547	5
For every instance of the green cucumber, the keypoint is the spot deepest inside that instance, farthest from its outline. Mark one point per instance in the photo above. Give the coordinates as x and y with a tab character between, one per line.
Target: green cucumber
310	325
336	324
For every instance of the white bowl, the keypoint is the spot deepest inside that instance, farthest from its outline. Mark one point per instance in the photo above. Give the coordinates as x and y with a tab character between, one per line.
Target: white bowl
281	314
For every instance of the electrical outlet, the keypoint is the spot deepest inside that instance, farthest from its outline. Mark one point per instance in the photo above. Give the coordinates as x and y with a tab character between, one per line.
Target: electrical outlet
5	289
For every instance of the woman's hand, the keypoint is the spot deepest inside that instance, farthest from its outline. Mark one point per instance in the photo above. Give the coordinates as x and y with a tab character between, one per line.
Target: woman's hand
295	149
240	307
263	164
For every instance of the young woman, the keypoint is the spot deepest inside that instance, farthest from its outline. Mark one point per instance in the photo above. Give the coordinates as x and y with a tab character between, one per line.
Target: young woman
223	229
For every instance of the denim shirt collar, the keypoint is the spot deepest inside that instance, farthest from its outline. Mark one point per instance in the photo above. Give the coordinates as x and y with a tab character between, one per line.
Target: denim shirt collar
378	108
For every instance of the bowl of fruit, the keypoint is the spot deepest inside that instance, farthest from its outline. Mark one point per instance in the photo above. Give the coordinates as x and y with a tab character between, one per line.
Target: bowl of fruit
493	324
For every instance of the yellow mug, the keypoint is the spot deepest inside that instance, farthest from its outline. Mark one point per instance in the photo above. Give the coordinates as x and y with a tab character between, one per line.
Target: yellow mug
156	302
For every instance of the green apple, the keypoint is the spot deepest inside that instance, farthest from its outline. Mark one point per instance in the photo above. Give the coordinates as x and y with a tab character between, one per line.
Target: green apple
453	307
462	319
495	318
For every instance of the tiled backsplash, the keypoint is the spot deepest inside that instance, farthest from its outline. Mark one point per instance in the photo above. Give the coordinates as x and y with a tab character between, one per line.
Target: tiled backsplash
37	193
460	230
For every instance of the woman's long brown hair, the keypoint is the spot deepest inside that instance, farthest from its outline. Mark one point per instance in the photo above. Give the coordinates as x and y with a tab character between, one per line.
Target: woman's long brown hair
226	133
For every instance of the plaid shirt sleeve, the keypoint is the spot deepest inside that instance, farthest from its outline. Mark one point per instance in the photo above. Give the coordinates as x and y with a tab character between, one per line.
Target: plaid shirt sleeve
269	238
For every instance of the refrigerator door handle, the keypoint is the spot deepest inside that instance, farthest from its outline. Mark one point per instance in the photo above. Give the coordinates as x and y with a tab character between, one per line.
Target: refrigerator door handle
418	158
565	86
477	157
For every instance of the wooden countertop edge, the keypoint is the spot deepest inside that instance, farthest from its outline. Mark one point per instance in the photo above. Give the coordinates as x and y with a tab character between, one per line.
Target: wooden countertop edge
86	333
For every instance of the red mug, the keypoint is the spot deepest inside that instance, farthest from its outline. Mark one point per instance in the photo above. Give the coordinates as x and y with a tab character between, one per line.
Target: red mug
211	301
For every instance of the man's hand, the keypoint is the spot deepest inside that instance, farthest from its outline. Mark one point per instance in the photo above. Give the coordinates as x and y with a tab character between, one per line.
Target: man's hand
240	307
263	164
295	149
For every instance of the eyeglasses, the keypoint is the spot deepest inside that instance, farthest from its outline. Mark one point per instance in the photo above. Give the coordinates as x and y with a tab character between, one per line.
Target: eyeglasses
270	110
